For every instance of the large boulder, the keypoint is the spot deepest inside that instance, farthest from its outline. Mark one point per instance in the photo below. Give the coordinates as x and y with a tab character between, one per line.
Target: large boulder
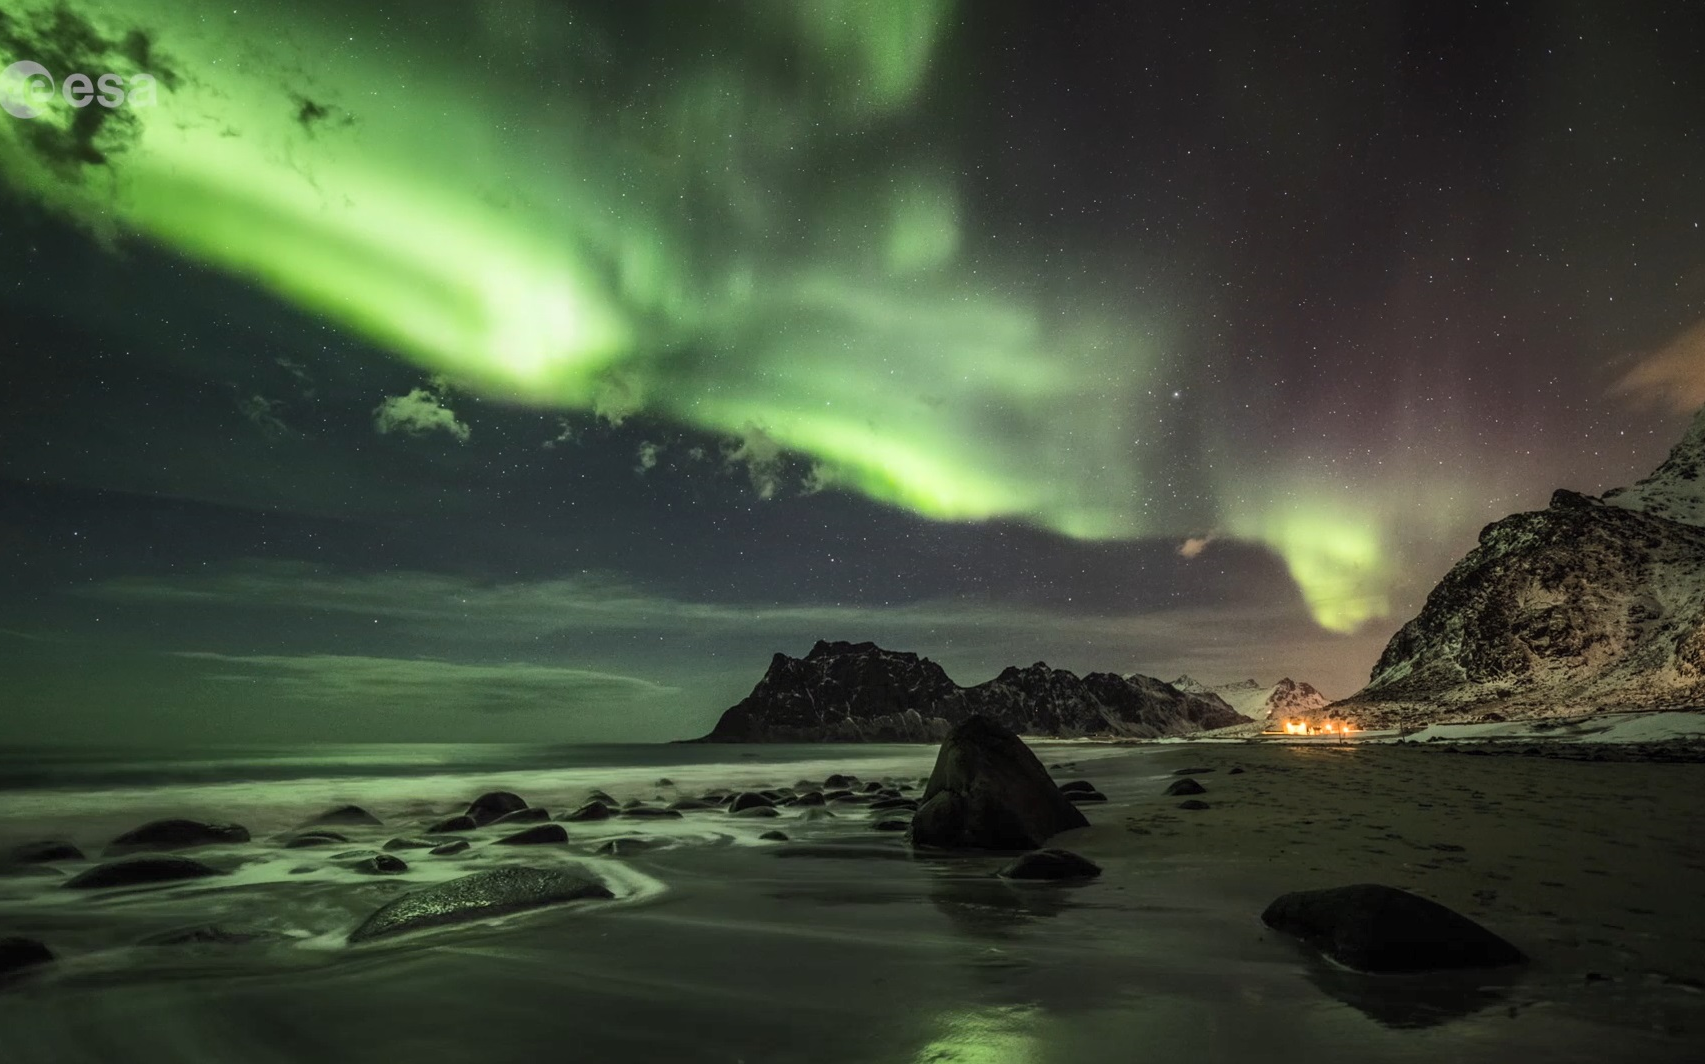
46	850
347	815
480	896
494	804
135	871
159	835
19	954
1051	864
1375	928
989	792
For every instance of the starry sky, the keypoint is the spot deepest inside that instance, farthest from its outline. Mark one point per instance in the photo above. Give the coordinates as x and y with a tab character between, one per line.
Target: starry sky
512	369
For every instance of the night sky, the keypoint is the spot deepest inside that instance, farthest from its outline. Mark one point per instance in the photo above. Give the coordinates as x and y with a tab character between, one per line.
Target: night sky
522	370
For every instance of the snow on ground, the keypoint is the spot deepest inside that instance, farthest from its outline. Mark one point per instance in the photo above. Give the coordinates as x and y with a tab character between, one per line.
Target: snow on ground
1595	728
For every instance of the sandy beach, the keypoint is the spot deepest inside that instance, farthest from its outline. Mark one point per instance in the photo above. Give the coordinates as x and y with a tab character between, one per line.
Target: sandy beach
840	945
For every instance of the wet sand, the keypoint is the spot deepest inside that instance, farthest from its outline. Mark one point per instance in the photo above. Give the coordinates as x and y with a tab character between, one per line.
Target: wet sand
792	951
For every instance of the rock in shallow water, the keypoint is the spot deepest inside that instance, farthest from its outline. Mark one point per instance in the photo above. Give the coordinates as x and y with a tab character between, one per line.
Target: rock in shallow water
175	835
20	954
450	849
482	895
451	825
749	800
210	936
135	871
989	792
493	804
1374	928
315	838
381	864
535	814
1184	786
46	850
352	815
651	812
589	811
544	833
1193	804
1051	864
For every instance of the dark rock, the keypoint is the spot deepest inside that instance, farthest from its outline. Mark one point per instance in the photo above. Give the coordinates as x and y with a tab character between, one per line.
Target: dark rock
809	798
1051	864
1084	796
1193	803
774	836
46	850
411	843
531	815
453	825
872	787
315	838
382	864
815	812
596	795
748	800
135	871
651	813
589	811
482	895
755	811
1076	785
1190	771
450	849
894	803
1234	771
665	781
351	815
534	836
490	806
17	955
210	936
806	785
1375	928
836	795
689	805
632	803
1184	786
627	847
161	835
891	825
838	781
988	791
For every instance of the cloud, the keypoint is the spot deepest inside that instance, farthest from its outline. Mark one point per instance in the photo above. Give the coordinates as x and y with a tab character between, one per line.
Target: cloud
421	685
762	457
417	413
1672	376
648	454
618	398
1195	545
565	434
262	413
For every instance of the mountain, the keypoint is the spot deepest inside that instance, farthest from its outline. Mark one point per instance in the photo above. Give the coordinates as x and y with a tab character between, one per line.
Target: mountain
859	692
1587	604
1286	700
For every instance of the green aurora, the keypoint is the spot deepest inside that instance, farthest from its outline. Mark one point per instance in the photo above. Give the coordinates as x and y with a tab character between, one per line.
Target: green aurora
755	232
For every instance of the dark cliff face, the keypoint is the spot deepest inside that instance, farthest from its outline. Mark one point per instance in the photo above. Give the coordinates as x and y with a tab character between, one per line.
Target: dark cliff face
859	692
1582	605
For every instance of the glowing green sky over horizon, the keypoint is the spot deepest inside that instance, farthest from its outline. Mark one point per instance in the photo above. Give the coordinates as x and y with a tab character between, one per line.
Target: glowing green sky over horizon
664	242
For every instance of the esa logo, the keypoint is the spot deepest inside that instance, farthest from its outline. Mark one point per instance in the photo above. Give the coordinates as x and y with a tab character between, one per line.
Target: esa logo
27	88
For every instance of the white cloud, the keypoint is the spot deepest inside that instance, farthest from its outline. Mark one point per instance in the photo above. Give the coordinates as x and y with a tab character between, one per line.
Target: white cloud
1195	545
417	413
761	455
648	455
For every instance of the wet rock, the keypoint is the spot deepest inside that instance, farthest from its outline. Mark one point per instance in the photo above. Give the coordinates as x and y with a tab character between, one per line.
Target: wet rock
988	791
1375	928
835	795
1190	771
350	815
1076	785
314	838
627	846
755	811
892	824
596	795
136	871
46	850
490	806
452	825
1184	786
690	805
589	811
894	803
839	782
806	785
1235	770
632	803
774	836
531	815
210	936
815	812
665	781
450	849
18	955
872	787
381	864
536	836
809	798
748	800
1085	796
1051	864
1193	803
408	842
161	835
479	896
651	812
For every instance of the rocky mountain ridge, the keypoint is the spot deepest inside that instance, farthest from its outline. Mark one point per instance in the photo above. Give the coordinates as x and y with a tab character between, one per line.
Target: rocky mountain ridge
860	692
1286	700
1591	603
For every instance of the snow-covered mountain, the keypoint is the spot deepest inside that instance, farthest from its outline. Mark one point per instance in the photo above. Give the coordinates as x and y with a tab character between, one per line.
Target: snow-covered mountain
1286	700
1587	604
